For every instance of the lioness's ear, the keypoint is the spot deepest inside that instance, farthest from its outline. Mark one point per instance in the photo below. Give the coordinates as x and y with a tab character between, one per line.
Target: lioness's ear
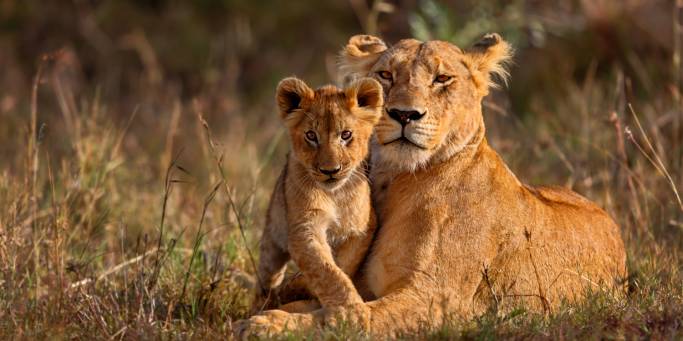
365	94
490	56
290	94
358	56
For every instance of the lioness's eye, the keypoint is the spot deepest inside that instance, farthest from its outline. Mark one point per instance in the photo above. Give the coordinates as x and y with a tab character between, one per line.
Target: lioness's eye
442	79
310	135
385	75
345	135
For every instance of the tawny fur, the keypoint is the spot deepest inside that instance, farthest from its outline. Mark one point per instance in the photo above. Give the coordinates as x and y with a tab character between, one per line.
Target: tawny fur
323	222
458	233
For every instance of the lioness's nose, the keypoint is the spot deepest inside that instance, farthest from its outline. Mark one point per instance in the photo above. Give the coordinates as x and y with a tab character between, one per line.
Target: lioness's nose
330	171
405	116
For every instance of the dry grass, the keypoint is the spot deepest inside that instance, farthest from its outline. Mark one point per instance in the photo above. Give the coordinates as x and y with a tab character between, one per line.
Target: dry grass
96	243
122	221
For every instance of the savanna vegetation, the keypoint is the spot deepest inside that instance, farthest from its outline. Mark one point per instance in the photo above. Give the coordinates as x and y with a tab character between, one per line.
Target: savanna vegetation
139	144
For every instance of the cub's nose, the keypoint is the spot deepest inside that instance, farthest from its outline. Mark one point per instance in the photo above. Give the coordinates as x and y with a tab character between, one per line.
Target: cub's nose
405	116
330	171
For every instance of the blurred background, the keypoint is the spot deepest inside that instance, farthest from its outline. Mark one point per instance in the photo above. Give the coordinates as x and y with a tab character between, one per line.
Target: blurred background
158	57
128	126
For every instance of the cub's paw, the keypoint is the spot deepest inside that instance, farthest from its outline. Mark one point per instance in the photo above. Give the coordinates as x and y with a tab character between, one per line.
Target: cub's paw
270	323
355	315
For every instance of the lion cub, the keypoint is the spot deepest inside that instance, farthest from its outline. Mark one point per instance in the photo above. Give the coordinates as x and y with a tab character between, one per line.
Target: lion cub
320	213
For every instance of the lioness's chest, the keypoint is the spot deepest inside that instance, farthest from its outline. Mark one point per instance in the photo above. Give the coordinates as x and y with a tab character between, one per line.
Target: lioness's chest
404	215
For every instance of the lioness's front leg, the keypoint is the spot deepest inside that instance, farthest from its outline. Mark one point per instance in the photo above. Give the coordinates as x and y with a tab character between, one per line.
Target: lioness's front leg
301	306
309	249
404	310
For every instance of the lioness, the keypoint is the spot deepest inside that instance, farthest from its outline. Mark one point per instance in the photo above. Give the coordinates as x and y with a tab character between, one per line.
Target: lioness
320	212
458	232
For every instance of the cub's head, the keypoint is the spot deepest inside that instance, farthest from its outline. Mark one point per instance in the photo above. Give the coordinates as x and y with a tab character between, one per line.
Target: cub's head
433	92
329	128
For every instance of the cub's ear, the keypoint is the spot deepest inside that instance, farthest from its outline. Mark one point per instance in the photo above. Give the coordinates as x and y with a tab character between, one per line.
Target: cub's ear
489	56
358	56
290	94
365	94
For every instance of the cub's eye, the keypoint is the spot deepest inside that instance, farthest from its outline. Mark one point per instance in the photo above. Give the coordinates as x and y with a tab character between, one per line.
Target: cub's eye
442	79
310	135
385	75
345	135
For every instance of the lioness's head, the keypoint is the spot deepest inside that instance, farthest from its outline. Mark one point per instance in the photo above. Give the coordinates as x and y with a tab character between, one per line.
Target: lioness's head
329	128
433	92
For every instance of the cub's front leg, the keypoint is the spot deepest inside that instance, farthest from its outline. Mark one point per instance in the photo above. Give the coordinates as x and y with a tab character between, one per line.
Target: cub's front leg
271	271
351	253
308	247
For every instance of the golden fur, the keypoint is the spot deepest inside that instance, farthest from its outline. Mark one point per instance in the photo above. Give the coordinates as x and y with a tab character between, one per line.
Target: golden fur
323	221
458	233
